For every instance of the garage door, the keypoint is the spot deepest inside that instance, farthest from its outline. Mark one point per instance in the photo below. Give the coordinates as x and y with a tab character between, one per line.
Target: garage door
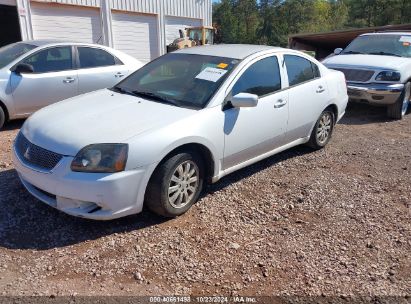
174	24
64	22
136	35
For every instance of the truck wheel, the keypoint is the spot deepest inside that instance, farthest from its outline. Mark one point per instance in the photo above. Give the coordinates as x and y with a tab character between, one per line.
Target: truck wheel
400	107
323	129
175	185
2	118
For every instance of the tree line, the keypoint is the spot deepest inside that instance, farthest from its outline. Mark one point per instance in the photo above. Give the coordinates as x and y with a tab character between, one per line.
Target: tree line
272	21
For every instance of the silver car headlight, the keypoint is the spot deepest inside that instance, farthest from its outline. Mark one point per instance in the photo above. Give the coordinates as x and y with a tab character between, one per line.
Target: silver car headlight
101	158
388	76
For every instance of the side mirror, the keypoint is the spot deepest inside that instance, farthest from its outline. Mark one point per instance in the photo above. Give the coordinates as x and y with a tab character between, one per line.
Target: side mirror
338	51
23	68
244	100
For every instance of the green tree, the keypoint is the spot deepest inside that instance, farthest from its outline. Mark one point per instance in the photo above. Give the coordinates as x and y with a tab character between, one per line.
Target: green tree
272	21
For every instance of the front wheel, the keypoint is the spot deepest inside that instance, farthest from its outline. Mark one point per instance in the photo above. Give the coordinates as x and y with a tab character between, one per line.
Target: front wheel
2	117
175	185
400	107
321	134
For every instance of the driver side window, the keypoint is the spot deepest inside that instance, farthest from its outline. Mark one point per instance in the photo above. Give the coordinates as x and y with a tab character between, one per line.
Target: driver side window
51	60
261	78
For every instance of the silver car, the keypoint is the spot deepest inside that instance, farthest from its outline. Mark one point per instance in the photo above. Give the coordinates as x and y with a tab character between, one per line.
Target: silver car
184	119
34	74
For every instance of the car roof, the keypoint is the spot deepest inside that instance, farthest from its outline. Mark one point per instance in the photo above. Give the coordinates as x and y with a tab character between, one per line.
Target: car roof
388	33
44	42
236	51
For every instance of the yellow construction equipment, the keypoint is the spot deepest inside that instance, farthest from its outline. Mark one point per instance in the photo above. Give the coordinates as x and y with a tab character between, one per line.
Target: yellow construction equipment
193	36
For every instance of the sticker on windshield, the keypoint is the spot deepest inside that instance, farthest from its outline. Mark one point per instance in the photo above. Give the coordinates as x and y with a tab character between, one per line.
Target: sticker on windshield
211	74
406	43
222	65
405	39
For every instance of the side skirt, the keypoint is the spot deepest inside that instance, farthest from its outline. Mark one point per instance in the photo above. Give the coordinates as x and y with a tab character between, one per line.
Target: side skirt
260	157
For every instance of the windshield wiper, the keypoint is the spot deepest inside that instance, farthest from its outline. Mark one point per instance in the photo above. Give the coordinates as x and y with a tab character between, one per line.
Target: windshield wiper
156	97
122	90
351	52
384	53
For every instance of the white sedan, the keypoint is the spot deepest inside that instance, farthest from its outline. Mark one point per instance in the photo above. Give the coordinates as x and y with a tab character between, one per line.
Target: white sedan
34	74
186	118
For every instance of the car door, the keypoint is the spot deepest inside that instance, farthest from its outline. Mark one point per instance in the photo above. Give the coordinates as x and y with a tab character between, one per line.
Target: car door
250	132
308	95
53	79
98	69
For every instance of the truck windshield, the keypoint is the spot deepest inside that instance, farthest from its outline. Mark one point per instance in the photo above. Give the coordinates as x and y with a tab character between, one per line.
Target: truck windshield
391	45
11	52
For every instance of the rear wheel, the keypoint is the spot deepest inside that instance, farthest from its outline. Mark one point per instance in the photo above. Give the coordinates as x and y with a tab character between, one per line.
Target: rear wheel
400	107
175	185
2	117
322	131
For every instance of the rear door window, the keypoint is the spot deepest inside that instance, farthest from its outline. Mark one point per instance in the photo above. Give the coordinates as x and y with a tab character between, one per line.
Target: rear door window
300	70
94	58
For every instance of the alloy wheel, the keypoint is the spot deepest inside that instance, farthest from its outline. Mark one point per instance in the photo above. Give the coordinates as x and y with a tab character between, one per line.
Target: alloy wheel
324	128
183	184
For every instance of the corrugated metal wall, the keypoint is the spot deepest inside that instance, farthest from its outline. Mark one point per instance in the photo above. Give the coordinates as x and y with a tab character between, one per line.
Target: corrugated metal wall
94	3
159	9
183	8
142	6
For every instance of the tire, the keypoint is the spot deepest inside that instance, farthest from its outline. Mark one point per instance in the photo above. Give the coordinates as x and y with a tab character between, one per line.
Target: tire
400	107
2	117
323	129
170	192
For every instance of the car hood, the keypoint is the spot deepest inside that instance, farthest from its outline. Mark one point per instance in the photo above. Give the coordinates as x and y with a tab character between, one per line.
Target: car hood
367	61
99	117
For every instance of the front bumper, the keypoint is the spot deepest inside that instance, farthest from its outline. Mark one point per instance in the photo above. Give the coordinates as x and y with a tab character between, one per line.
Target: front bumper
379	94
97	196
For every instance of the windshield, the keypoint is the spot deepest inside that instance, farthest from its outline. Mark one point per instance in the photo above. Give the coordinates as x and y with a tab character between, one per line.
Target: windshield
184	80
196	35
394	45
11	52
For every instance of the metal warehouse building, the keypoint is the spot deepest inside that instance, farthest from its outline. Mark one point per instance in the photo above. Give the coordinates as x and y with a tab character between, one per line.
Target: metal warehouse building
141	28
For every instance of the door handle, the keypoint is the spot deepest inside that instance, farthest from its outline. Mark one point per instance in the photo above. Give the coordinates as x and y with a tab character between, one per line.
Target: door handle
280	103
119	74
320	89
69	80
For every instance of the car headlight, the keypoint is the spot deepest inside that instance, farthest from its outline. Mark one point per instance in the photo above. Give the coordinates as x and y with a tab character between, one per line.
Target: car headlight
101	158
388	76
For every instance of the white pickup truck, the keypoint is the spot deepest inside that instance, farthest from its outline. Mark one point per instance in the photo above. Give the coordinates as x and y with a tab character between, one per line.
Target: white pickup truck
377	67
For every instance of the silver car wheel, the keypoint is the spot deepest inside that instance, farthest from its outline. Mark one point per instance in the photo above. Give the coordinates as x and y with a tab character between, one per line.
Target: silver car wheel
324	128
183	184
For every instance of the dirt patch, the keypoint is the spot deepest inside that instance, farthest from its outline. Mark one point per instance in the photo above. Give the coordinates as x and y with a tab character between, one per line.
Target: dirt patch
330	222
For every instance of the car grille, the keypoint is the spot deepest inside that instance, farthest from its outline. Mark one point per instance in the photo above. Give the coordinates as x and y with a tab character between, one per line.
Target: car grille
35	156
356	75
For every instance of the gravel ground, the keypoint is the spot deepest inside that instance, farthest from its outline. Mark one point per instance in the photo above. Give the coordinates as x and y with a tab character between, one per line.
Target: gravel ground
331	222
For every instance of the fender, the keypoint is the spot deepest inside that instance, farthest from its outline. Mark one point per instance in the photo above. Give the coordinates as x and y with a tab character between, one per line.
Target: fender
6	97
